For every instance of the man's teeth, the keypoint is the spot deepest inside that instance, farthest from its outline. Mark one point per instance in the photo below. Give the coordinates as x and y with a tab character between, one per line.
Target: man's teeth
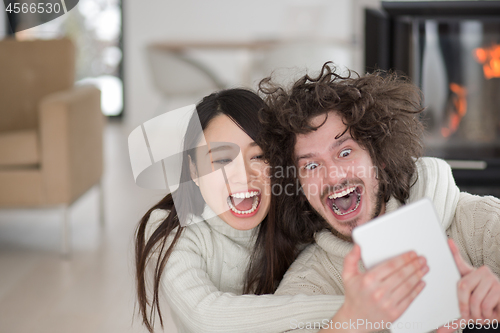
342	194
338	212
243	195
251	210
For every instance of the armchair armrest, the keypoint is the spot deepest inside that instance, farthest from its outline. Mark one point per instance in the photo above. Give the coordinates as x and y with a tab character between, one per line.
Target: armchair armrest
71	143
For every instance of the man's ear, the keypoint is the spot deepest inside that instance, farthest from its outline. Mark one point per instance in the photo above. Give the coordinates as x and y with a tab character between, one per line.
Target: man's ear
193	171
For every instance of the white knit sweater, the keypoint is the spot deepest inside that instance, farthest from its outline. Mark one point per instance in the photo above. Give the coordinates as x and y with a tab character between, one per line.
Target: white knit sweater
203	282
473	222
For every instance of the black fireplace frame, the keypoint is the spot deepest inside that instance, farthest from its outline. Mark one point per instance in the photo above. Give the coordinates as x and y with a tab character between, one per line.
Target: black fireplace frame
387	27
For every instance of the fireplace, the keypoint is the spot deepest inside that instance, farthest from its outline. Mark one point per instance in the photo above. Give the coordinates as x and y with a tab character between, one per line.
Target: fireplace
451	50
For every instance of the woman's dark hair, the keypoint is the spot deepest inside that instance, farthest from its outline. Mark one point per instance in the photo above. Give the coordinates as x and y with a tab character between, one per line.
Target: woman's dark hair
380	111
242	107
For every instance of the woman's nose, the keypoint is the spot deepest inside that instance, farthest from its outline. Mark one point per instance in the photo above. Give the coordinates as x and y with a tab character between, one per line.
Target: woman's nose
238	172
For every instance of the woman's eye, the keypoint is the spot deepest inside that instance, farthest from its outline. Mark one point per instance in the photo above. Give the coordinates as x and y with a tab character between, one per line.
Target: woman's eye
345	153
258	157
311	166
223	161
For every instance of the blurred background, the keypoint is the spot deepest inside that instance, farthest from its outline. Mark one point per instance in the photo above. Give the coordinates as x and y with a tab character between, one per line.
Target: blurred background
66	264
74	87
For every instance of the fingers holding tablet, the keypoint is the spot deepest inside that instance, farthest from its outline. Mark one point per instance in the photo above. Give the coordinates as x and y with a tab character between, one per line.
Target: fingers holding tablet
402	281
407	281
384	292
478	290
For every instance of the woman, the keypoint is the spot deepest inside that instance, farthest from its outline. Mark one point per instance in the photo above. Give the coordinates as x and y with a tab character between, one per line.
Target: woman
203	267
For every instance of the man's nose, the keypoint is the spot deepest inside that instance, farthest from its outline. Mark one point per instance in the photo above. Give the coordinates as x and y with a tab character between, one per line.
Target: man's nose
333	173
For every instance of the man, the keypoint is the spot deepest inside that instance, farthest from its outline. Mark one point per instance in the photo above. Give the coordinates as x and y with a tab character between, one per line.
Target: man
355	144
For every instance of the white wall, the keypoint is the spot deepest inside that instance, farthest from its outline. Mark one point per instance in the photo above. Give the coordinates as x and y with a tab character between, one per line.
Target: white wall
227	20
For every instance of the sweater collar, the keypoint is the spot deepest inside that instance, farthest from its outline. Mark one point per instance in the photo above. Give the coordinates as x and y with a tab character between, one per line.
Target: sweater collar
435	181
216	223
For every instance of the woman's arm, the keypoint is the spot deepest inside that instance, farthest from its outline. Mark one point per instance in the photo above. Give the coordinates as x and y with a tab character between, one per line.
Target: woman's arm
201	307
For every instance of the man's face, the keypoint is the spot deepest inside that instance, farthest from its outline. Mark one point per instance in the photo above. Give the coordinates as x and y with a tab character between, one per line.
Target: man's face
337	175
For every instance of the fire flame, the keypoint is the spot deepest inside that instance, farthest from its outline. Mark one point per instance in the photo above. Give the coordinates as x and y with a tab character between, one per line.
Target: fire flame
460	108
490	59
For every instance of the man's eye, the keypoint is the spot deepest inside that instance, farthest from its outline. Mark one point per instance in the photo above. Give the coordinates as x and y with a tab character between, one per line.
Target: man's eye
311	166
345	153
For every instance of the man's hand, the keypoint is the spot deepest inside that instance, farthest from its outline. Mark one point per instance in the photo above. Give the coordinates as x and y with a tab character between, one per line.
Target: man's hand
382	293
478	290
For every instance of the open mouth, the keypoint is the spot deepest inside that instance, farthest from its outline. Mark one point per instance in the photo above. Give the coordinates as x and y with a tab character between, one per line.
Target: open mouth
244	203
346	201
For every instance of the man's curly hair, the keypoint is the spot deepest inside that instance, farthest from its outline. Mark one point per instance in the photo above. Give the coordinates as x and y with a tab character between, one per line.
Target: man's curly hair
380	111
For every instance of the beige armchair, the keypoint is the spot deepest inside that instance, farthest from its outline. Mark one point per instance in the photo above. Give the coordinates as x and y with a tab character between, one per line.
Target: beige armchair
50	130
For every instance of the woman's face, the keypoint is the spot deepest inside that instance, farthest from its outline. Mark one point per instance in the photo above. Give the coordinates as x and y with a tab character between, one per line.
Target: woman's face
231	174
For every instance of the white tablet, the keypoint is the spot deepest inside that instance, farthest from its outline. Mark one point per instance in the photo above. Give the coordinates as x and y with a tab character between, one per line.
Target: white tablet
415	227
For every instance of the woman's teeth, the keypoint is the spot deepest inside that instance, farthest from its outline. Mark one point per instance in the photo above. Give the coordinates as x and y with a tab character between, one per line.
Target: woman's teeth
242	195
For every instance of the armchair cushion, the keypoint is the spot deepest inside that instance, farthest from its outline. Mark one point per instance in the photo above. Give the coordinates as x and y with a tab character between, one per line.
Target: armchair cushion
21	187
19	148
71	126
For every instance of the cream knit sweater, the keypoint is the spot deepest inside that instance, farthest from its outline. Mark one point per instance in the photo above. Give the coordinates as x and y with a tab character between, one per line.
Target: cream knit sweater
203	281
472	221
